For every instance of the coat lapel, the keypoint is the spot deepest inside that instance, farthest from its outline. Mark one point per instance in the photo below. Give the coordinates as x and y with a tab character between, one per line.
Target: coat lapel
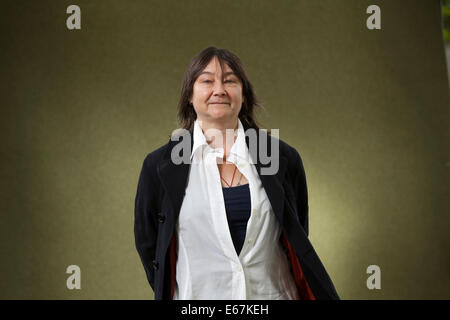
174	178
273	184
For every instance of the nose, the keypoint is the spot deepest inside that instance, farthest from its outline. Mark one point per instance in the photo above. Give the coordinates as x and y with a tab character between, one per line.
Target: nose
219	89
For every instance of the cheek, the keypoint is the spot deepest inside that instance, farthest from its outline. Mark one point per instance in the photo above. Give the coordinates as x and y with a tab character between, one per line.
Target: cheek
237	96
200	93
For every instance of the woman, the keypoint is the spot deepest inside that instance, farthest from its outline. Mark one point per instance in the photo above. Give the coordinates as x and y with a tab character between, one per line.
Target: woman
215	226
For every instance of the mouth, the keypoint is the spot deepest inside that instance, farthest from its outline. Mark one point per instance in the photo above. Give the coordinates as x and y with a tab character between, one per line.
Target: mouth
219	103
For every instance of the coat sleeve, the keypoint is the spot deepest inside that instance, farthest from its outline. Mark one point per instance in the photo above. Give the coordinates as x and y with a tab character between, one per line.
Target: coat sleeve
145	224
301	193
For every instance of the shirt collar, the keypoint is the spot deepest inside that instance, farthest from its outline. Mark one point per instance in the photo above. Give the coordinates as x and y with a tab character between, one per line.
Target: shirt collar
238	151
199	139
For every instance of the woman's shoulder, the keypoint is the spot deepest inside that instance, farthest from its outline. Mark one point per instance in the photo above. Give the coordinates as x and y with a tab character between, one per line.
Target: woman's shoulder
290	153
286	150
154	157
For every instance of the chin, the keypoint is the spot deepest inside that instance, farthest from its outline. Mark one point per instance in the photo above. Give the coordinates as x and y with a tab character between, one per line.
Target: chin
220	114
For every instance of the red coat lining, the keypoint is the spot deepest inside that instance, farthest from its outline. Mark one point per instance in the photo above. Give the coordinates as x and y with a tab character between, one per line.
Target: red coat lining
303	288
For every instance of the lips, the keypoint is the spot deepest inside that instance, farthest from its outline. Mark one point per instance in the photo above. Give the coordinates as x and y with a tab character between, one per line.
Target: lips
219	103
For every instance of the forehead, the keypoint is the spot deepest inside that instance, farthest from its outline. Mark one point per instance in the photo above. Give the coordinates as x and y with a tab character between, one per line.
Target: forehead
214	66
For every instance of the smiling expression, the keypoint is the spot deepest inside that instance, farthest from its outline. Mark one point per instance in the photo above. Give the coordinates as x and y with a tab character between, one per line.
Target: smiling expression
214	98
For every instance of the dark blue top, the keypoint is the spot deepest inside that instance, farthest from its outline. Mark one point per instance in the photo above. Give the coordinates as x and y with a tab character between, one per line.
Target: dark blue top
238	206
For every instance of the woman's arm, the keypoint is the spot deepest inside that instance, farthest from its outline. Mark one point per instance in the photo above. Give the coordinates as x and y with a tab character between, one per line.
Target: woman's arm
145	224
301	192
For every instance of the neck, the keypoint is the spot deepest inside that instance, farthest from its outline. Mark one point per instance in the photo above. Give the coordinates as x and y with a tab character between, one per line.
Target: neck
220	134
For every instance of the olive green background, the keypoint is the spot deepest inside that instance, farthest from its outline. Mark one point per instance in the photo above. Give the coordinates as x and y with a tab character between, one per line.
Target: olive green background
368	110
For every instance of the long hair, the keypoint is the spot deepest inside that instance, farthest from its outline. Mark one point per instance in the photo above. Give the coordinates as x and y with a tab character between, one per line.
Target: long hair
186	112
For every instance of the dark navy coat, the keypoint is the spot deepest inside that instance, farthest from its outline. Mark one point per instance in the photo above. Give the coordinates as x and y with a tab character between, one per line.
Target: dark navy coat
160	193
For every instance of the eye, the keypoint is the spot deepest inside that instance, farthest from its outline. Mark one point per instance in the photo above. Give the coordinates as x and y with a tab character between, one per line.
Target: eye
206	81
229	81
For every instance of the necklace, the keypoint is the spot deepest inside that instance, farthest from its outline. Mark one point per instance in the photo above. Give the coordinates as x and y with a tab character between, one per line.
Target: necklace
229	185
239	181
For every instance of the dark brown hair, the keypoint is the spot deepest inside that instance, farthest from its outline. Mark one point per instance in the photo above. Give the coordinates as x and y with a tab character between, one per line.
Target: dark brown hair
186	112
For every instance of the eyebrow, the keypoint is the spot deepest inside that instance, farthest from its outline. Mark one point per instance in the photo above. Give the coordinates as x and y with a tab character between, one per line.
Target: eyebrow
212	73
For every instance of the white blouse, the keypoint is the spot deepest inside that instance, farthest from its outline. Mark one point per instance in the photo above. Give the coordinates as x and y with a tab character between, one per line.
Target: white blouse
208	266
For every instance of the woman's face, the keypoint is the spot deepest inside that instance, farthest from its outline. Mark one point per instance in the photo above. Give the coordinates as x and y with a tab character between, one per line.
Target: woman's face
215	100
